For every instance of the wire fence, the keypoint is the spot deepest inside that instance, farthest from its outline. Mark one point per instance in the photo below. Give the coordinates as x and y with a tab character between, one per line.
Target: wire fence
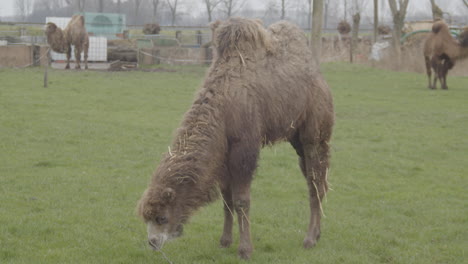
174	45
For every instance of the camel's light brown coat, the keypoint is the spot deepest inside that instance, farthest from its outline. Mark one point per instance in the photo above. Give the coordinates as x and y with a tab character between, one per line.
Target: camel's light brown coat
261	88
74	34
441	51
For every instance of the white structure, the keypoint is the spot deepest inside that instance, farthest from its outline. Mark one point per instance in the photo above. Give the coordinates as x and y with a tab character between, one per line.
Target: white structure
97	45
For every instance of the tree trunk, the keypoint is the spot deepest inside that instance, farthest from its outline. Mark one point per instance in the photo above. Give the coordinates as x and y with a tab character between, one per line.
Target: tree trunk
376	19
399	14
355	34
345	10
316	33
436	11
101	6
155	9
283	11
325	16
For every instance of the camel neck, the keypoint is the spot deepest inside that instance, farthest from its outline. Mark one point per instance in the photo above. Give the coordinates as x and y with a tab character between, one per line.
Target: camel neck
199	147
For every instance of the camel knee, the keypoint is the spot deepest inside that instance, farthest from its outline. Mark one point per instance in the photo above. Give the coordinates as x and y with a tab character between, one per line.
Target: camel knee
242	206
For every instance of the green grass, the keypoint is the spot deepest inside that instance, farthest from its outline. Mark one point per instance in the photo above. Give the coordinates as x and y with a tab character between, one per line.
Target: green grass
75	158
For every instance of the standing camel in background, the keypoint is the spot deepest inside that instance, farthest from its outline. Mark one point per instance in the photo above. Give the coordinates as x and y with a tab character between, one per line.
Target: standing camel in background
74	34
441	51
262	88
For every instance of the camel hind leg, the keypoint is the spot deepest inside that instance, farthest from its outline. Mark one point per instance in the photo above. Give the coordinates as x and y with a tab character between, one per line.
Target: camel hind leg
77	57
86	49
447	65
313	160
435	63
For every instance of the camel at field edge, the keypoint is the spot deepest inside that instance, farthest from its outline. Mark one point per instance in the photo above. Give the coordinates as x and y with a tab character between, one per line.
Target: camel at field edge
441	51
74	34
261	88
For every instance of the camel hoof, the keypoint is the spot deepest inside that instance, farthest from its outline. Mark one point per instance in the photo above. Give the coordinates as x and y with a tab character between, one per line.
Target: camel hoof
311	242
225	242
245	253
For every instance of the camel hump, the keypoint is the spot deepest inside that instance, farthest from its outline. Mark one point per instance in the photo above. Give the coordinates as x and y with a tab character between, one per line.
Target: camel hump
240	35
439	26
79	19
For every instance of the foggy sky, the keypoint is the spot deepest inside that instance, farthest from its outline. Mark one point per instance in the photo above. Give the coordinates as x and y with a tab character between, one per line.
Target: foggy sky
7	7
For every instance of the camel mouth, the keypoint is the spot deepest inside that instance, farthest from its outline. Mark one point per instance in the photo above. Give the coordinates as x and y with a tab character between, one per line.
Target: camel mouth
157	242
154	246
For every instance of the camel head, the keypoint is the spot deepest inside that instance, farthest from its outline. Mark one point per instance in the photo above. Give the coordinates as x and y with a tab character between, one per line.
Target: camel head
163	216
463	38
50	28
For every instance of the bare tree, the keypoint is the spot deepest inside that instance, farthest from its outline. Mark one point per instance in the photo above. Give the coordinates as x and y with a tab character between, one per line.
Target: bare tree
356	9
465	2
232	6
155	4
325	16
436	11
173	7
345	10
136	6
210	6
24	8
100	6
316	31
376	19
80	4
283	9
398	14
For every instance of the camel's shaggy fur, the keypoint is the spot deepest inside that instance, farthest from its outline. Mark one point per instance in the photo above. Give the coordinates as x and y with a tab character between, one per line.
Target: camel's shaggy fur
441	51
74	34
261	88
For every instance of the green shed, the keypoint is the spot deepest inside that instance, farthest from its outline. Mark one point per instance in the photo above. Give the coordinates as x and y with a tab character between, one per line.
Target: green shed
105	24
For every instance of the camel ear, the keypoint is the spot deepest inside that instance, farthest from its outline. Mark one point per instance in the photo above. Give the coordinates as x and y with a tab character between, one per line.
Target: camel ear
214	25
51	26
168	195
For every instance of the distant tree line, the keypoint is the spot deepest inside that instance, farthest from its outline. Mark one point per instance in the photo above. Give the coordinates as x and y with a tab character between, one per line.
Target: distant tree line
201	12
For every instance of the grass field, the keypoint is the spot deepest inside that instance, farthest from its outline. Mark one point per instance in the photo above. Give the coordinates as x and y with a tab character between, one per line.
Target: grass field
75	158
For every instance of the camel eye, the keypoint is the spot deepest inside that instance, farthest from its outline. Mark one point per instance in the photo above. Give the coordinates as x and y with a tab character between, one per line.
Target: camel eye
161	220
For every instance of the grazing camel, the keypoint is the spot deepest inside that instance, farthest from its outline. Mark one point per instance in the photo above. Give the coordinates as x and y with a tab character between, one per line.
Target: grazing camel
261	88
74	34
441	51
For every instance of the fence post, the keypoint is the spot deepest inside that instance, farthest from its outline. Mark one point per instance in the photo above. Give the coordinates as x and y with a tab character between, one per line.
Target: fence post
178	35
22	31
199	37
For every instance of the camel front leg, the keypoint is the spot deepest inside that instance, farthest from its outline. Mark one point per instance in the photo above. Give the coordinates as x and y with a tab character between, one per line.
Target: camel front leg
316	168
428	71
68	52
242	162
241	197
